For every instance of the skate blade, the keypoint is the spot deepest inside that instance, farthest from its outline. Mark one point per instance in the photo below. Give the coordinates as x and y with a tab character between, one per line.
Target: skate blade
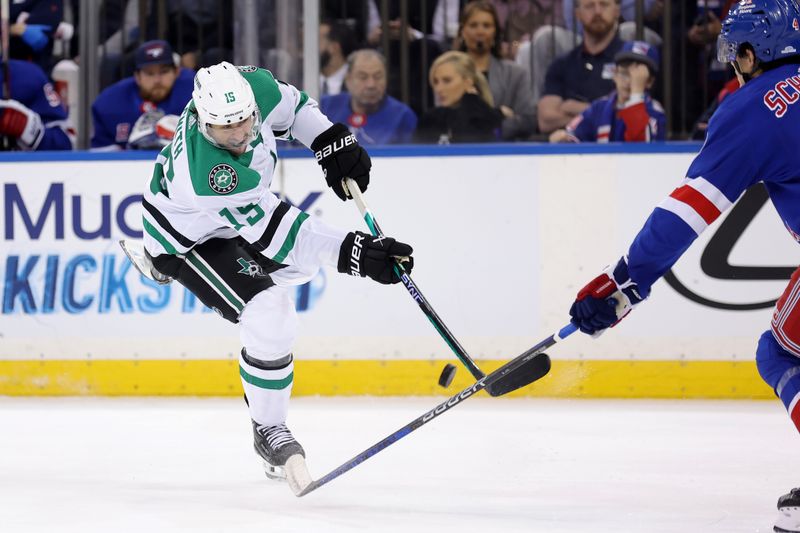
135	252
297	474
275	473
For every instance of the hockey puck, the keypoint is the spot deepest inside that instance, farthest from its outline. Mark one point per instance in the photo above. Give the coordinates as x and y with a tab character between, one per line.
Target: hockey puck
447	375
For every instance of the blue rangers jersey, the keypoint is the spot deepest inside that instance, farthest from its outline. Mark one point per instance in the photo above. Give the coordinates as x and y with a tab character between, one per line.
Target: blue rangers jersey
117	108
752	137
603	121
30	87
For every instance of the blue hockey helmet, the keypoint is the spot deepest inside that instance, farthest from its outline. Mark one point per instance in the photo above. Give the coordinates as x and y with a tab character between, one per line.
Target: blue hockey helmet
771	27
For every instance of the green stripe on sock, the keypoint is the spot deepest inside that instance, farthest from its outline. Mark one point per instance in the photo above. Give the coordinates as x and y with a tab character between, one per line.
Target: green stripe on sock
288	244
149	228
274	384
212	278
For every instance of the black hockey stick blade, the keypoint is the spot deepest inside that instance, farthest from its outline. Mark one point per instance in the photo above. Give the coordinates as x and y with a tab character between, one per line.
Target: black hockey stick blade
530	371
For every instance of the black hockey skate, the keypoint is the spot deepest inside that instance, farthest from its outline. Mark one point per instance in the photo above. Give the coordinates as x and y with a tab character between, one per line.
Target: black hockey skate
788	512
275	445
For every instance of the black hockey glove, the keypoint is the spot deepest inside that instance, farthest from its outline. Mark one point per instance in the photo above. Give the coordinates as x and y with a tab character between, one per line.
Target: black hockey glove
365	255
340	156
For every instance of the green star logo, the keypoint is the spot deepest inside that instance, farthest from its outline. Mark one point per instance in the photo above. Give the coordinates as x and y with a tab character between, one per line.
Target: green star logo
250	268
223	179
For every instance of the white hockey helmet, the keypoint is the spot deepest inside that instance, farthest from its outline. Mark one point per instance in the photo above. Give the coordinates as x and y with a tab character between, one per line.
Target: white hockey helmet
222	96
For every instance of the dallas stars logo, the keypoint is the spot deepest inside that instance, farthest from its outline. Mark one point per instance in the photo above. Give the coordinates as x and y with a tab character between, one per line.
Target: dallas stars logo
250	268
222	179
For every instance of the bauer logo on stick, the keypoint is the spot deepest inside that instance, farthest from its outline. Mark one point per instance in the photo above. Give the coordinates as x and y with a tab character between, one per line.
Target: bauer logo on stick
222	179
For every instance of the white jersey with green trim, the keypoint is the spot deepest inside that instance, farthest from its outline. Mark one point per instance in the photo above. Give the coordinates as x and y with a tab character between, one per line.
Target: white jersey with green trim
198	191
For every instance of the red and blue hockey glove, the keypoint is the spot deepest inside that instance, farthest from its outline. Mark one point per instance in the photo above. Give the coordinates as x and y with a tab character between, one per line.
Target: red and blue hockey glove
153	130
20	123
606	299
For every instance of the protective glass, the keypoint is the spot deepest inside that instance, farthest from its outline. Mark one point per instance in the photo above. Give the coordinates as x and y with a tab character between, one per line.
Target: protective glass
726	50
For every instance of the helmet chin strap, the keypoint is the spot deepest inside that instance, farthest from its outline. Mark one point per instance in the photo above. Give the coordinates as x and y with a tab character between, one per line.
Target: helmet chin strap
746	76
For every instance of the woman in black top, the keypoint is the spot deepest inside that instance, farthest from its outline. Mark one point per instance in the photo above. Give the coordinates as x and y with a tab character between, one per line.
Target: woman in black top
464	109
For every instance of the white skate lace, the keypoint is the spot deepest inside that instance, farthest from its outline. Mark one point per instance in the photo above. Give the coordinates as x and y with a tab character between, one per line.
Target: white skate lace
276	436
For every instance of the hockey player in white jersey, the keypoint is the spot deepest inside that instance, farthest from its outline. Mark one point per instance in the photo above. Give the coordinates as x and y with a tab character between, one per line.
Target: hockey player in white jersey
211	223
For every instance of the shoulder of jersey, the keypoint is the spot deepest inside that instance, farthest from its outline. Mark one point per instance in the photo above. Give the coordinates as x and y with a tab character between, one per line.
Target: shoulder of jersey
265	87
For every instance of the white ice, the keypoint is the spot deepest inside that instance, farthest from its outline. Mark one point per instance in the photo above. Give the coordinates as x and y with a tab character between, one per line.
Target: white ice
490	465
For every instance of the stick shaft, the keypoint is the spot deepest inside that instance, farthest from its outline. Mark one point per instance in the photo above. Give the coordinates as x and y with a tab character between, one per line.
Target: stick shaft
442	408
413	288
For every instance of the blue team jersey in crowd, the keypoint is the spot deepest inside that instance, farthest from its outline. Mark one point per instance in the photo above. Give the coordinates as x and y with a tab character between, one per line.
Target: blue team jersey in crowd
30	87
602	122
754	136
394	122
117	108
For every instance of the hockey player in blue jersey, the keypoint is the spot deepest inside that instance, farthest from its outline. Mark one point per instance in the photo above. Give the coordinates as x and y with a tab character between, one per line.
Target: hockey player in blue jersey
31	115
753	137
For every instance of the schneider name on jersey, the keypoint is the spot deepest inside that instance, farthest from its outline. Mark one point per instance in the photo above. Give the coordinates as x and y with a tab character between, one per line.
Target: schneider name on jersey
198	191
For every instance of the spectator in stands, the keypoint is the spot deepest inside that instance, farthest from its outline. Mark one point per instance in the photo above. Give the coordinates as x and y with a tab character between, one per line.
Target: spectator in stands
629	113
408	86
354	13
201	29
509	83
465	110
336	42
126	113
653	9
372	116
551	40
119	38
519	20
420	23
705	75
32	26
586	73
31	114
438	21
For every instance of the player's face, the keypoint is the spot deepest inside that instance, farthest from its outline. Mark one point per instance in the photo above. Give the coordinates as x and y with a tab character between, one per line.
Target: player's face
597	16
479	33
448	85
233	137
366	83
155	81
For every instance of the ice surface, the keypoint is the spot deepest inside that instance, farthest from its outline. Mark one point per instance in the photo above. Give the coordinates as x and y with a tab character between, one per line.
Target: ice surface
96	465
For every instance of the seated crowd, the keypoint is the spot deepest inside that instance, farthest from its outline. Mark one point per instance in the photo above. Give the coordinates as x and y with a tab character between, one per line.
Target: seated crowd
496	71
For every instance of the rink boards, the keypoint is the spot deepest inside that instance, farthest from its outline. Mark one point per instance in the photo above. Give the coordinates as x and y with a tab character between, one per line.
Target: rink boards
504	237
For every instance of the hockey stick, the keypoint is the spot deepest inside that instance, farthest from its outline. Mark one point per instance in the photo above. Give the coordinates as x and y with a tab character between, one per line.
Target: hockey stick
510	381
533	358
